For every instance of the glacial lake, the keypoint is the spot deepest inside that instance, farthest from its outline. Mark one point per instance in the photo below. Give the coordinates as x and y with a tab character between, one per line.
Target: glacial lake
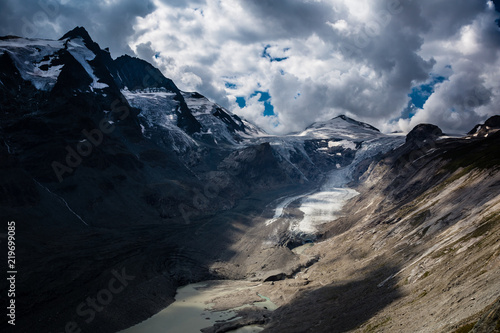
192	312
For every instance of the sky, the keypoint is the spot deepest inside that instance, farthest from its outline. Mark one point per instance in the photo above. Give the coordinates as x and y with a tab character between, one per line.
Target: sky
284	64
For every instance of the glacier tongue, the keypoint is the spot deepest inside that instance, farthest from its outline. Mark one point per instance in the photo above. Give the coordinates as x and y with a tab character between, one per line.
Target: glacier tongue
324	205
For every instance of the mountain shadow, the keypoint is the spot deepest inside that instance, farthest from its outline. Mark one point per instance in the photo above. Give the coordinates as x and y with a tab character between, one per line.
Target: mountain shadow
340	306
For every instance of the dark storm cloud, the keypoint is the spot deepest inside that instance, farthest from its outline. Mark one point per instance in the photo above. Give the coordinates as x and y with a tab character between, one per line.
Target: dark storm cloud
144	51
447	17
290	17
182	3
110	23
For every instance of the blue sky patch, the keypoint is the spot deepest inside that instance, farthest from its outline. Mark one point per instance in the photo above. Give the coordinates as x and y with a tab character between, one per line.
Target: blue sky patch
266	98
266	54
420	94
241	102
230	85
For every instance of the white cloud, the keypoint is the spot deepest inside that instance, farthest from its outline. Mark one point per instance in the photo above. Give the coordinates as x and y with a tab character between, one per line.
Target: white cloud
322	57
472	91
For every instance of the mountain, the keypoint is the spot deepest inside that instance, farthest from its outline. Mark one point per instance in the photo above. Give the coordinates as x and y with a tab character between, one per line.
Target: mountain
491	125
416	250
340	126
112	174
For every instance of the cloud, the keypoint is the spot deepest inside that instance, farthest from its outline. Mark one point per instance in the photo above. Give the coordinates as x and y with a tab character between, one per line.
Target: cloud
471	92
315	58
110	22
318	59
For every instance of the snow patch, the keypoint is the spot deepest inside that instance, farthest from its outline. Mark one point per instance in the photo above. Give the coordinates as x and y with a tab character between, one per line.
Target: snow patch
29	55
83	55
342	143
159	108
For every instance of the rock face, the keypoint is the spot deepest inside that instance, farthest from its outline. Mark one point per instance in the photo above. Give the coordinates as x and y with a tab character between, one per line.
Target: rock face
422	132
491	125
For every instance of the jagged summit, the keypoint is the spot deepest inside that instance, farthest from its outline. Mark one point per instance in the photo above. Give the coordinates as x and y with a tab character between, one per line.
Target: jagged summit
76	65
352	121
136	74
76	33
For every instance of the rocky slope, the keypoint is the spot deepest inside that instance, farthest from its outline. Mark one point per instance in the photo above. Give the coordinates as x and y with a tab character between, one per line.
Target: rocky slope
416	251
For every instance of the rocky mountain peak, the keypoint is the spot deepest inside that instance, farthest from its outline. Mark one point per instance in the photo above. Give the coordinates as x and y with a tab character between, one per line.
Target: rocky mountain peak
78	32
491	125
424	132
341	127
493	122
136	73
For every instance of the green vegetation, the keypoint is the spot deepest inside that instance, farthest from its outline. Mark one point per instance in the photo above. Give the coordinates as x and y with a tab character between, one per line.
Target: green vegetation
424	231
482	154
414	205
418	219
487	224
406	210
466	328
450	249
374	327
422	294
451	179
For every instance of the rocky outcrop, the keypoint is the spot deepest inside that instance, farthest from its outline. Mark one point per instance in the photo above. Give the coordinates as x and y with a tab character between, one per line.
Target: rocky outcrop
491	125
422	133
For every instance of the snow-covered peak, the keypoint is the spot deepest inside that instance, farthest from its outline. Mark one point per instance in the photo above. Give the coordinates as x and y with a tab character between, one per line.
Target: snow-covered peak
217	120
79	51
39	60
340	127
36	59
